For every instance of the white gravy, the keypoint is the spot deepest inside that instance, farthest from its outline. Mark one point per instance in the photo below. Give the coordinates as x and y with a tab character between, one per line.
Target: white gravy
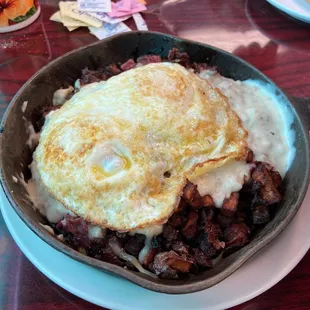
269	135
262	115
223	181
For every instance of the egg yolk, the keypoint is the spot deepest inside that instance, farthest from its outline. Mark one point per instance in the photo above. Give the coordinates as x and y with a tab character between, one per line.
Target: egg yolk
111	164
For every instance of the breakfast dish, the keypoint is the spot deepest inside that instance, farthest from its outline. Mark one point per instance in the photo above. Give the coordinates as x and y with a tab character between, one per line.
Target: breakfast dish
160	165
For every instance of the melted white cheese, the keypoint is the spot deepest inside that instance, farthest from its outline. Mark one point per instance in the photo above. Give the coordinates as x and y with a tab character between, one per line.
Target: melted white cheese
51	208
149	233
48	206
77	85
95	232
223	181
24	106
119	252
41	199
60	95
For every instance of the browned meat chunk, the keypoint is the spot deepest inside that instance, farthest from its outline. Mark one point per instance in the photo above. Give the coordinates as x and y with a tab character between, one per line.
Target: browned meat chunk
261	215
189	191
201	66
182	205
276	178
189	230
129	64
207	201
180	58
96	250
214	233
192	196
251	186
197	201
224	221
108	256
173	54
74	225
78	229
49	109
148	59
91	76
75	233
209	241
169	264
206	215
201	258
229	207
259	174
270	194
135	244
169	233
250	156
101	74
180	247
177	220
268	191
114	70
236	235
205	245
240	217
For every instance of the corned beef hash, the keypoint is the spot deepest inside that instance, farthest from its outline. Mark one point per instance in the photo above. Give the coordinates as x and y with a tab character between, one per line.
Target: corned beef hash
159	165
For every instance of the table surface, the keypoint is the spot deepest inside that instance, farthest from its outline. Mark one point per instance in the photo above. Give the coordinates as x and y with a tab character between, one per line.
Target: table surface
253	30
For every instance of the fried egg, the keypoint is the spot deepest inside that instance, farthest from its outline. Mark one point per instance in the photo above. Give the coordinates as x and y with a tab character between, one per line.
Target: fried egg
119	153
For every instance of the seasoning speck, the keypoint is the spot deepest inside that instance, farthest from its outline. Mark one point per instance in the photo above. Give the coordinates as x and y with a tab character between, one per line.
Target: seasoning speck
8	44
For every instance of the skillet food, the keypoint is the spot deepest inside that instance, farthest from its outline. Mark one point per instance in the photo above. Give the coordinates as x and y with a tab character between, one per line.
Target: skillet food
159	165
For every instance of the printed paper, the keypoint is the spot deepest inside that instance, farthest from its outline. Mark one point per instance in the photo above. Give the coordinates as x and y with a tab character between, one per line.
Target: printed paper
140	22
108	30
95	5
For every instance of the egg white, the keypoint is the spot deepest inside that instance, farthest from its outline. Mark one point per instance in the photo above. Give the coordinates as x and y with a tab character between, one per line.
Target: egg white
103	155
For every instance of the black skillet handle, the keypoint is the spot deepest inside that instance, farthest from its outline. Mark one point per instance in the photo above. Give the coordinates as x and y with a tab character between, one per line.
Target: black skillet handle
302	106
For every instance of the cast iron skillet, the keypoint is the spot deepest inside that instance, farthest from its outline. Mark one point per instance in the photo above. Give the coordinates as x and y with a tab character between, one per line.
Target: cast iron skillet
38	91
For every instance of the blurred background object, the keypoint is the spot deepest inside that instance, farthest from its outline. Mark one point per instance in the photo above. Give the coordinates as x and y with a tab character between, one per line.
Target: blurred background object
18	14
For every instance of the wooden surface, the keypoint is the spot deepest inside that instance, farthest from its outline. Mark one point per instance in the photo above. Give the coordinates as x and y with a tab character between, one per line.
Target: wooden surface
253	30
